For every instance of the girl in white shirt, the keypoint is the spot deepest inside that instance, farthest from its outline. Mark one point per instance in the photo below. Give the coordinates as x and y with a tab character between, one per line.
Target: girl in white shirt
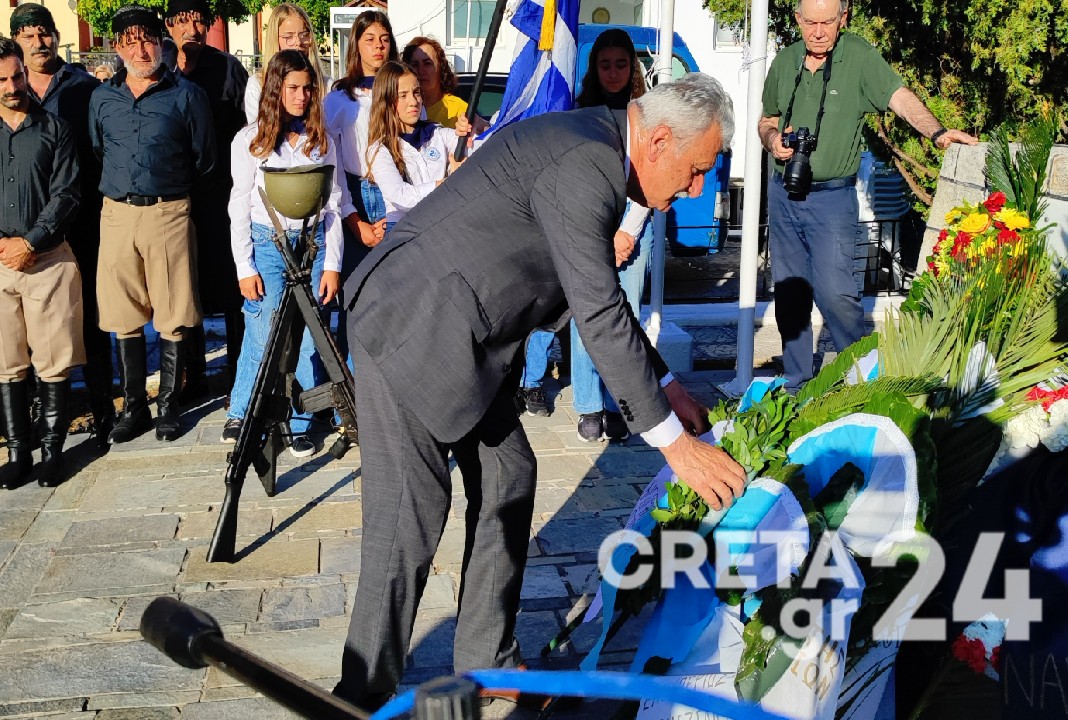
289	132
288	28
371	44
407	157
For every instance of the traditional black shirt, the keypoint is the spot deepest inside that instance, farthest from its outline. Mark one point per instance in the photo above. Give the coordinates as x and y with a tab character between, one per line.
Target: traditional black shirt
157	144
222	77
39	172
68	97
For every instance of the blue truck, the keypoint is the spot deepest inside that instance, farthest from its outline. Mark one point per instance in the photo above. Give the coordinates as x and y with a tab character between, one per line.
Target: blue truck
695	226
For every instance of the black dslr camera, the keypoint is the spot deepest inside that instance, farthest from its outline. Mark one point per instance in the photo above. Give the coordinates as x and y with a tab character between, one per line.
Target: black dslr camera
797	175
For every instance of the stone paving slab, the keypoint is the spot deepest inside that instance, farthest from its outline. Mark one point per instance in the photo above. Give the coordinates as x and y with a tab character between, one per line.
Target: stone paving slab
79	564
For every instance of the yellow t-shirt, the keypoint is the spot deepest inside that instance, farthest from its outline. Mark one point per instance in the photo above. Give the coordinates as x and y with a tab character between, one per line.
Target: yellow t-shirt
445	111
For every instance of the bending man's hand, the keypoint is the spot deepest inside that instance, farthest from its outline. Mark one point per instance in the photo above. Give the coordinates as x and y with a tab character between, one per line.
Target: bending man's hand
692	414
623	244
708	470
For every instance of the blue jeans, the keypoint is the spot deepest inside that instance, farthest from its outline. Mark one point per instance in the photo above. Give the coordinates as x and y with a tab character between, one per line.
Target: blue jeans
814	257
258	316
591	395
371	207
537	358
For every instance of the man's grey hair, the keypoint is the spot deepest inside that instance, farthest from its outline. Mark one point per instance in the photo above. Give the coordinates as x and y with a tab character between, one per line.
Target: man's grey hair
689	106
843	5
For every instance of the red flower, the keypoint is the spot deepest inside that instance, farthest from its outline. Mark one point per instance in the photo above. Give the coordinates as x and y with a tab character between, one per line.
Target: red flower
960	243
1048	397
943	235
1008	236
970	652
995	202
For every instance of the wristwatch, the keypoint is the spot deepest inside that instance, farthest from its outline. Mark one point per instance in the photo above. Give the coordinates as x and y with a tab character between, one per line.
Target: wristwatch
937	134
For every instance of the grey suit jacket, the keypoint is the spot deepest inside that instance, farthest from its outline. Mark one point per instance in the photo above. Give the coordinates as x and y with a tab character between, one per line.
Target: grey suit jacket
519	233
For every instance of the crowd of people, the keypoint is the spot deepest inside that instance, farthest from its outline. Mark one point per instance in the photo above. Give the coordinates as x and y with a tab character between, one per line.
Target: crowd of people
166	222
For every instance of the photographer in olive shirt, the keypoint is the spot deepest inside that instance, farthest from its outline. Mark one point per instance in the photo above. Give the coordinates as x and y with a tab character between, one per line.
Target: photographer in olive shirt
816	96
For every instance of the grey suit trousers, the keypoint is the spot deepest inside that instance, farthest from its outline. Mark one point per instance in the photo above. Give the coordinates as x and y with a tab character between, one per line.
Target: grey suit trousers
406	493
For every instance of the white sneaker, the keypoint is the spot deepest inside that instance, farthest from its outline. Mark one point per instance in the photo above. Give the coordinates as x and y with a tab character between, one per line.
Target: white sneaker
300	446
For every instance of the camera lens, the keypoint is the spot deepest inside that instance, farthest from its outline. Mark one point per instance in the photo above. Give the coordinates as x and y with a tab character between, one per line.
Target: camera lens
797	175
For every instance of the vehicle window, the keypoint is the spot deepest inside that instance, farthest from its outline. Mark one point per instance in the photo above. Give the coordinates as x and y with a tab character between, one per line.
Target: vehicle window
471	18
678	67
489	102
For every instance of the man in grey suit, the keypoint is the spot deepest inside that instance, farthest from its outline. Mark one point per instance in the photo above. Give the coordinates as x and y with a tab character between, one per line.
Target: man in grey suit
519	237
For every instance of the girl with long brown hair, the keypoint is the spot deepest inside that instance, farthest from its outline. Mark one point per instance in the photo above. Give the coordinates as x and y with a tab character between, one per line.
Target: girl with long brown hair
371	44
407	157
614	78
289	132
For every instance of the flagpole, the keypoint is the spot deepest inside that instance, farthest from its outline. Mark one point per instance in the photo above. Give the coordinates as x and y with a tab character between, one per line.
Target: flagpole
754	156
483	68
664	53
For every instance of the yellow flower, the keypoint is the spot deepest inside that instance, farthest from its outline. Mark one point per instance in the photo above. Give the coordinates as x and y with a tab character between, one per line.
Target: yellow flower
1013	219
975	223
941	265
989	246
954	216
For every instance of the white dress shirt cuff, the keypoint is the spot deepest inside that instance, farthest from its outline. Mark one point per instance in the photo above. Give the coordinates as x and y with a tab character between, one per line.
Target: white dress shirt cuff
246	270
347	209
666	380
634	219
665	433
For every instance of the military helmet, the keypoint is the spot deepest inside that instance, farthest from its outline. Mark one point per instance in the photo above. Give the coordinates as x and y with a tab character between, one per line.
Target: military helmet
298	192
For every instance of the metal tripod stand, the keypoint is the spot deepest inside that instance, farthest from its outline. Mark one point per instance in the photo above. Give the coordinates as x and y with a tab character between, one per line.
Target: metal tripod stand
261	437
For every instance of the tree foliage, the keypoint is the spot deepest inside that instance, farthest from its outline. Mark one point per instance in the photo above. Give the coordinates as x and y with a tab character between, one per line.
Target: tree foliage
977	64
98	13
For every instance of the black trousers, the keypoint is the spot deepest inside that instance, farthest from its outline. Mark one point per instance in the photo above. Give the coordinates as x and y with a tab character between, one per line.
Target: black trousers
406	493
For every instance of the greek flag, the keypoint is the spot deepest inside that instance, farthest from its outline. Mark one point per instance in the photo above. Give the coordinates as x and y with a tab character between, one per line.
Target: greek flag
542	76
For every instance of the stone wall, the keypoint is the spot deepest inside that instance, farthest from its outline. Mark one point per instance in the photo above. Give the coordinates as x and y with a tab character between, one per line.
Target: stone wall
962	178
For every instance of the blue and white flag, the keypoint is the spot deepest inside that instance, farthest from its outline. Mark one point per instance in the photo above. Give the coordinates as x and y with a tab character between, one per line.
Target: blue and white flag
542	76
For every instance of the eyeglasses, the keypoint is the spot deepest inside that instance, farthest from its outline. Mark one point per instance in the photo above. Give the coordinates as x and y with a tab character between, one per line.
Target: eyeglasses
289	38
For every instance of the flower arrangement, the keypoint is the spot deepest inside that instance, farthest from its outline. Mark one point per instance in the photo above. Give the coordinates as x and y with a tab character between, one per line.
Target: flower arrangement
979	234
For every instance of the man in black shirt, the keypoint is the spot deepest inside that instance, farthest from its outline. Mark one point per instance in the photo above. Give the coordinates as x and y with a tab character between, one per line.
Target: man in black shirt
153	133
222	77
64	90
40	289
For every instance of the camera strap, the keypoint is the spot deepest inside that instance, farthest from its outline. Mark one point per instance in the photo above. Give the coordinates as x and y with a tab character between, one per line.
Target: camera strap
823	95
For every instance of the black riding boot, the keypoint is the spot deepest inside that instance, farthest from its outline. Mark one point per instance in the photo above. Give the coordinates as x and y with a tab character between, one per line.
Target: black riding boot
15	400
99	377
135	418
170	375
55	398
194	351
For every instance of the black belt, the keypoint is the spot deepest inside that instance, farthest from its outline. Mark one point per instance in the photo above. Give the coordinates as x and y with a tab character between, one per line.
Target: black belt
833	184
148	200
